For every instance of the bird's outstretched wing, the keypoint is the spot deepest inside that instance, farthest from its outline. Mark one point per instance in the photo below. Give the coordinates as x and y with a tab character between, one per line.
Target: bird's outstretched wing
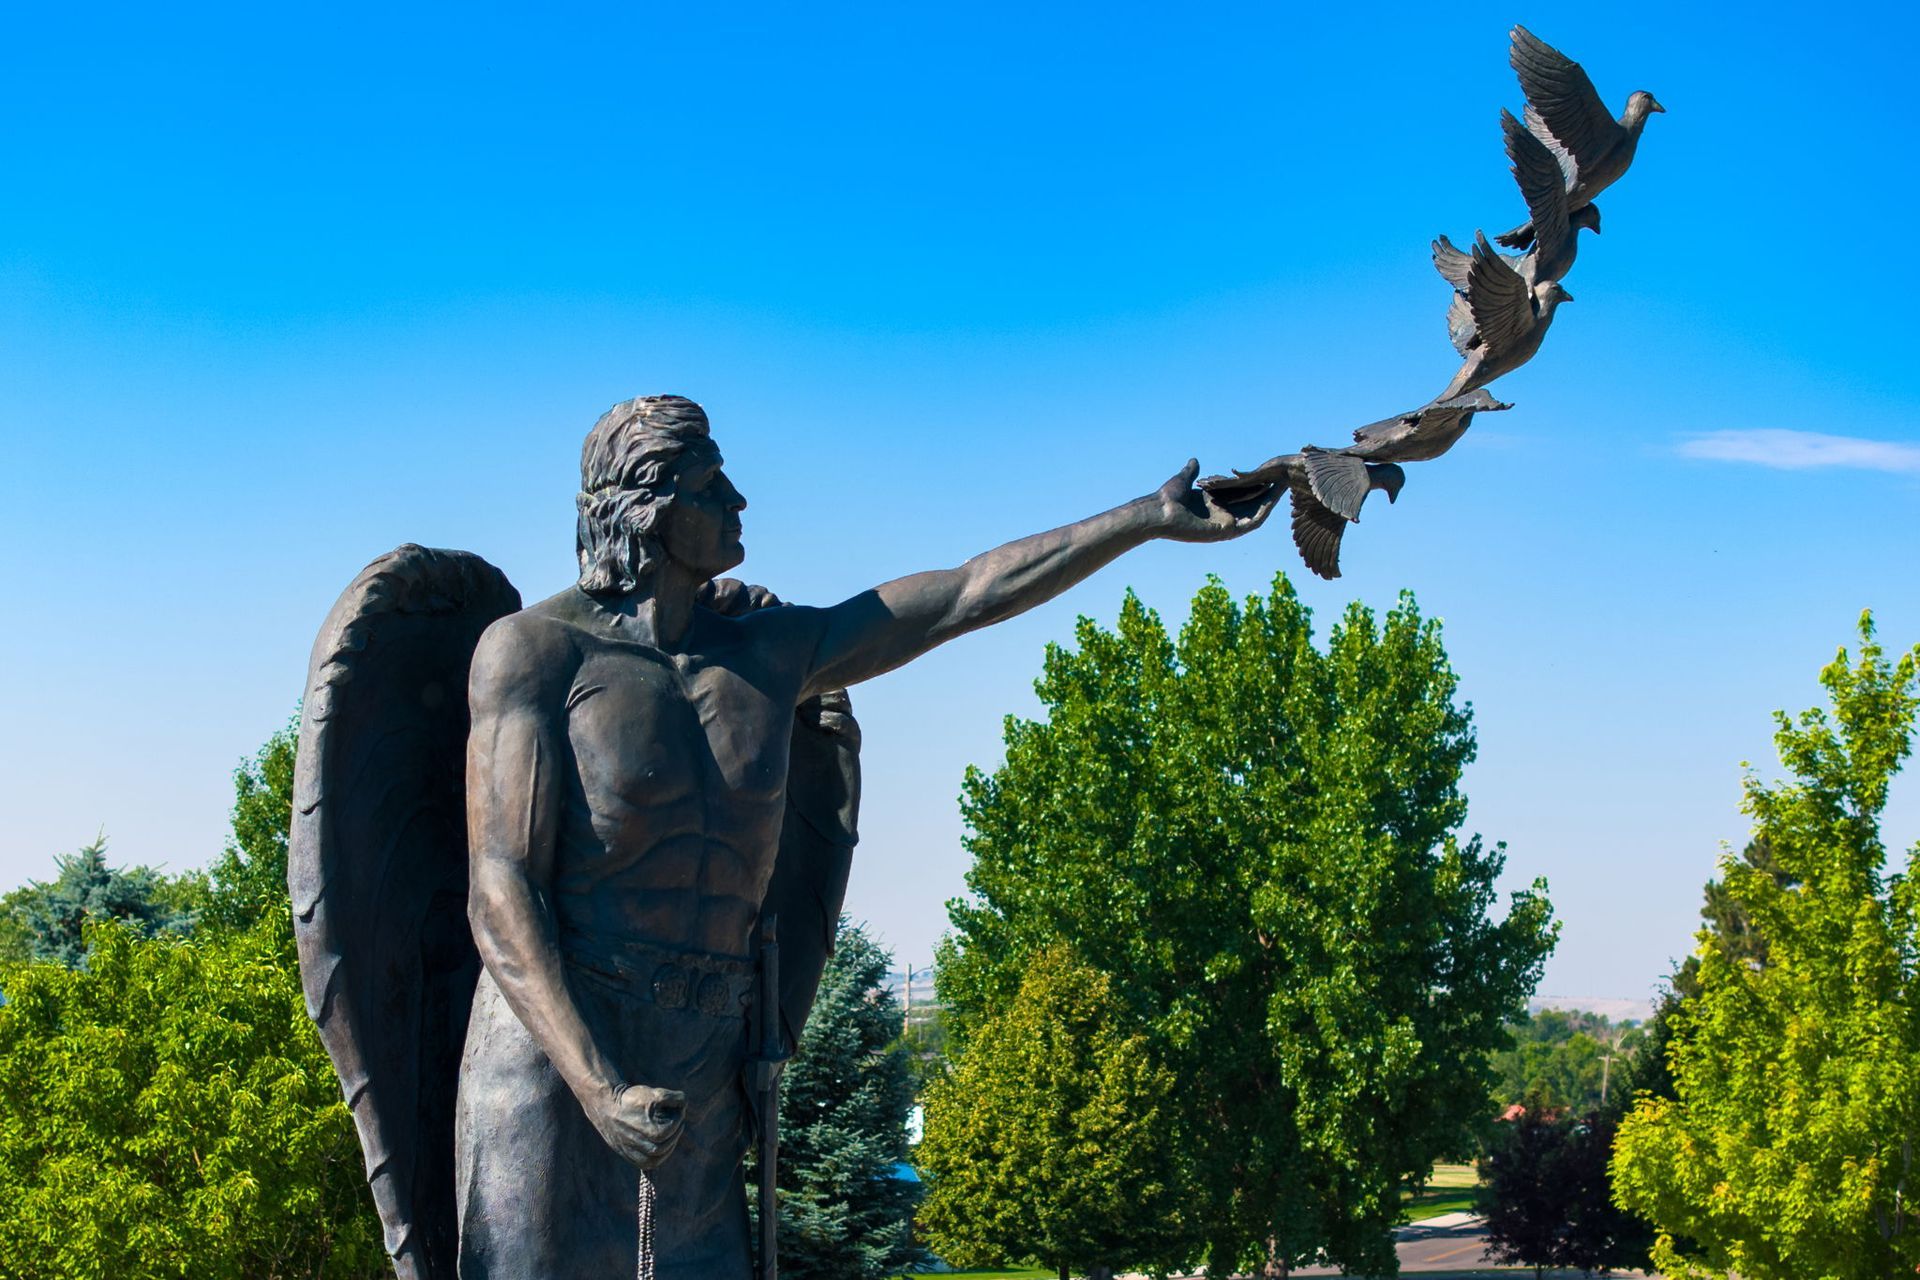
1562	101
377	868
817	835
1543	183
1450	262
1461	330
1498	298
1339	480
1316	530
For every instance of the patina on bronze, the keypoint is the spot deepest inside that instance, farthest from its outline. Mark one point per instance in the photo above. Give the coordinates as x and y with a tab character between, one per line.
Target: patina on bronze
536	973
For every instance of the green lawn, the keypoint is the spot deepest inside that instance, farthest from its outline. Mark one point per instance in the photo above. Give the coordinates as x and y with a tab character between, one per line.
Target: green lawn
1023	1273
1449	1189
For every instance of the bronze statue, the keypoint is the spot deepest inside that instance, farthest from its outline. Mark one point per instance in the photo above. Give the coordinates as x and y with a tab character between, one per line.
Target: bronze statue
1569	150
1565	112
657	761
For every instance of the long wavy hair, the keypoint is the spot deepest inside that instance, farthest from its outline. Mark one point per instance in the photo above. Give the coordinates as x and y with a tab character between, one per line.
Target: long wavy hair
626	480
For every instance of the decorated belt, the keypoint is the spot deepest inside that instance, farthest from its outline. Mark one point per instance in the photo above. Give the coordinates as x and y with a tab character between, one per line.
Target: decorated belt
717	986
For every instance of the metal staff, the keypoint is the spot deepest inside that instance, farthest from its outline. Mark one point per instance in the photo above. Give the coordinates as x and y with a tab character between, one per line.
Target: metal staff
767	1082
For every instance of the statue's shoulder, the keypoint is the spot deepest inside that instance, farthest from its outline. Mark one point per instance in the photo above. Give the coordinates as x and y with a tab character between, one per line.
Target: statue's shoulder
533	650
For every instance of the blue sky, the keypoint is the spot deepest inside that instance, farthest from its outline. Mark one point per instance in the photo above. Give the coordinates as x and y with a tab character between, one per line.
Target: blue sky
282	287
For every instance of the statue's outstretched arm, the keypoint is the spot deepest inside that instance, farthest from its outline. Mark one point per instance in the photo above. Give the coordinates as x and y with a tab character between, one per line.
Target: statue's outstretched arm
896	622
516	760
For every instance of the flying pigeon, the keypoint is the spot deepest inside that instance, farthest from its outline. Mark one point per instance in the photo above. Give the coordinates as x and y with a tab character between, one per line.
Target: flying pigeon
1328	485
1565	112
1499	321
1327	490
1544	184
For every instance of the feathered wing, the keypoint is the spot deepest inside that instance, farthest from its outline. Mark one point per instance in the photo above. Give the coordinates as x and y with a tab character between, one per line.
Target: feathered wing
1316	530
377	868
1450	262
1543	184
1499	300
1563	100
1339	480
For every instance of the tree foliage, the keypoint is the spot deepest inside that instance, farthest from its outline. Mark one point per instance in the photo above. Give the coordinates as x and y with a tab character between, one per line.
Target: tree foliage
1789	1148
1560	1058
168	1112
248	881
51	916
844	1214
1056	1137
1546	1195
1257	842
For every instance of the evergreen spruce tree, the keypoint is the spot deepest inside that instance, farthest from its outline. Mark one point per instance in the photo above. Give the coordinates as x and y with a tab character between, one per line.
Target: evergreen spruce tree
845	1214
55	913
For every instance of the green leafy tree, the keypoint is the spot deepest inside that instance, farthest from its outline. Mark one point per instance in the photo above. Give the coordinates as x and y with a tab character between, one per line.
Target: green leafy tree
168	1112
844	1212
1055	1138
248	881
1789	1147
1257	842
1562	1057
51	916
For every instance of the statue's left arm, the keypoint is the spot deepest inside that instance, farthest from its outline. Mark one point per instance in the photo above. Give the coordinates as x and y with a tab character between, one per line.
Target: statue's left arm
896	622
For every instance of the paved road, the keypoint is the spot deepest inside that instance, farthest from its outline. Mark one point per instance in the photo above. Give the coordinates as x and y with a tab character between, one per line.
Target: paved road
1451	1246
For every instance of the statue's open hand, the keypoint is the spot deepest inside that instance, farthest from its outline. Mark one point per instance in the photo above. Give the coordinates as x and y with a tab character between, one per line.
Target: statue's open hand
1188	514
640	1122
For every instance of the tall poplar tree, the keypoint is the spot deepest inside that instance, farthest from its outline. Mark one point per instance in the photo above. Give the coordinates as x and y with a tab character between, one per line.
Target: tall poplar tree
1259	843
1791	1148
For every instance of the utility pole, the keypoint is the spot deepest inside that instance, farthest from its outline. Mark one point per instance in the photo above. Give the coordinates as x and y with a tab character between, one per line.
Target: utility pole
906	1023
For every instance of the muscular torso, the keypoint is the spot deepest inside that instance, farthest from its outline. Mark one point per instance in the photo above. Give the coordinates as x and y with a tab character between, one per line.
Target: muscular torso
676	784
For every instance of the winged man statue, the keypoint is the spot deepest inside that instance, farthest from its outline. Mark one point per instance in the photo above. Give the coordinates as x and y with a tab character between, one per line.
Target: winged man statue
537	851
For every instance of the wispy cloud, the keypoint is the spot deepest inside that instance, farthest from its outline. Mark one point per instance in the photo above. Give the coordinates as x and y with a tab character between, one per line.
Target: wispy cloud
1802	450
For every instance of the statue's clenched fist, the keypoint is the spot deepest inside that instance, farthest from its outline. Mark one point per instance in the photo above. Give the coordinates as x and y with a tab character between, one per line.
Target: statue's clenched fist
640	1122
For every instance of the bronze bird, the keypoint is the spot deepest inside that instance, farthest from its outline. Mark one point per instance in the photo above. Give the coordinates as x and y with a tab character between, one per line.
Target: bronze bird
1329	485
1544	184
1565	112
1327	491
1499	321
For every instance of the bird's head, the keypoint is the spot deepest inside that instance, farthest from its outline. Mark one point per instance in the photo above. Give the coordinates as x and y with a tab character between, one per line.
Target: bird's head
1640	106
1588	216
1552	295
1387	478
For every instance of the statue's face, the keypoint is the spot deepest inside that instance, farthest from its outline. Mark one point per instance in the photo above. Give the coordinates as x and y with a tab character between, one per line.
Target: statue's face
700	526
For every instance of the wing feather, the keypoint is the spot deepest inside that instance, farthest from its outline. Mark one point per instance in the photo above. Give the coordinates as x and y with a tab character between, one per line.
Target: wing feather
1316	530
1339	480
1450	262
377	872
1543	183
1564	99
1497	296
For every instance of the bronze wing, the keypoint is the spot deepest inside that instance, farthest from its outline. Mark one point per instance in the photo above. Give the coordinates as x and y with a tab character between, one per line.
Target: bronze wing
377	866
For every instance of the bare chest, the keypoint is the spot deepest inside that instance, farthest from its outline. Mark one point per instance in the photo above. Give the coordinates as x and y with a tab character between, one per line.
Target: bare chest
689	740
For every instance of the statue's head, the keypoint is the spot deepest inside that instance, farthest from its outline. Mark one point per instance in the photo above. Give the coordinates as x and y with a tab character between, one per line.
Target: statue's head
652	491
